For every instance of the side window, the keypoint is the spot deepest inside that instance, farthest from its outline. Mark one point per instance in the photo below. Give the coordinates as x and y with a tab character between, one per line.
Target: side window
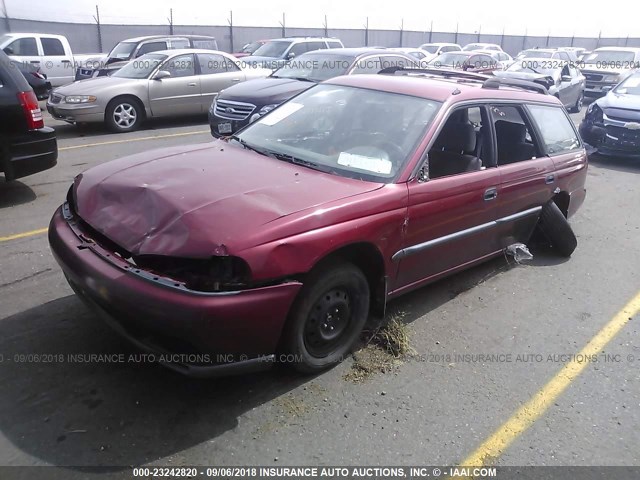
565	56
205	44
180	66
368	65
334	44
558	134
151	47
179	43
52	47
461	144
298	49
513	135
418	55
311	46
211	63
26	47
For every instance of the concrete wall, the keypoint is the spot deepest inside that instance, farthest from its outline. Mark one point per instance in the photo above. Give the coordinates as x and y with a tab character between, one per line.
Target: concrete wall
84	37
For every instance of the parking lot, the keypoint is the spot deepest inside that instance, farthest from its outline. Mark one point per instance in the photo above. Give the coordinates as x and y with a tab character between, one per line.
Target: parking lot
520	325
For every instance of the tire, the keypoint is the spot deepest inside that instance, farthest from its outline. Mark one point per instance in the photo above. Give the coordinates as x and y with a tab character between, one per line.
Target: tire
556	229
577	108
123	115
310	339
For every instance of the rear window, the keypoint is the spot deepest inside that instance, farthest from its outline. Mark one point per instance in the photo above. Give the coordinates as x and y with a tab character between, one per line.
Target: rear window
52	47
558	134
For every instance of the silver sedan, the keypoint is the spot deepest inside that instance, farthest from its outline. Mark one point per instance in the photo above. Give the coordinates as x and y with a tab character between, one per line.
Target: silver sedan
160	84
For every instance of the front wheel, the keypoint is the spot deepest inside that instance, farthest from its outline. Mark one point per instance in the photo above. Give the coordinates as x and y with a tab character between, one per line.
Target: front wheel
123	115
327	317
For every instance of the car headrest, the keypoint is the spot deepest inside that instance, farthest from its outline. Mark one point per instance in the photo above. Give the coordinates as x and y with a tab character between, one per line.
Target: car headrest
457	137
514	132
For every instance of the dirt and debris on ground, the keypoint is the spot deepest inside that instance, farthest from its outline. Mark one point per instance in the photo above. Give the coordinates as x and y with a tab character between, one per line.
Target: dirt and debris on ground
383	350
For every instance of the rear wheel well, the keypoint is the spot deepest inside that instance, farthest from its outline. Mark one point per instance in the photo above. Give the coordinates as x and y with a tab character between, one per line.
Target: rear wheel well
369	260
562	200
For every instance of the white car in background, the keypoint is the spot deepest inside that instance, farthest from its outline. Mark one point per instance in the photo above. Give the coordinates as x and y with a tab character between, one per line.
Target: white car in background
434	50
482	46
504	59
417	53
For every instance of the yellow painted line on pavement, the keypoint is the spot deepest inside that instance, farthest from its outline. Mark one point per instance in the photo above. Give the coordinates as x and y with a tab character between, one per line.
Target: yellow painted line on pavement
114	142
23	235
531	411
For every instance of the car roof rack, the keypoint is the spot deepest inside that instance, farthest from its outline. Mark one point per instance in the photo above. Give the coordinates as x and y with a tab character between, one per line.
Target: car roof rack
496	83
442	72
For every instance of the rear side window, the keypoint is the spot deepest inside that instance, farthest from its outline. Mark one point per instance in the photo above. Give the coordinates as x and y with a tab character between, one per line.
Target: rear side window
205	44
334	44
558	134
513	135
151	47
23	47
179	43
52	47
367	65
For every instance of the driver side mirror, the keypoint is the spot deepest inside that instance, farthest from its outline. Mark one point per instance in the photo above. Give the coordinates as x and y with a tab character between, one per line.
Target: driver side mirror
161	74
565	78
290	55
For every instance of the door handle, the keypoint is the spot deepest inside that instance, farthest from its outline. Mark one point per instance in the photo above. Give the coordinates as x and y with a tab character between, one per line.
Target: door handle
35	61
490	194
192	84
550	179
66	61
235	79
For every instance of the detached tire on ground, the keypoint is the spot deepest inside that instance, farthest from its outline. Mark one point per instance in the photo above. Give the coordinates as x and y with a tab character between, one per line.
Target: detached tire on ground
326	318
556	229
123	115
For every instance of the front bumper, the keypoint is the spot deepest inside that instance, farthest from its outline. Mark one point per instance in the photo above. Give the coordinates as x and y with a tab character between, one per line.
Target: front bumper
612	140
76	113
29	153
239	330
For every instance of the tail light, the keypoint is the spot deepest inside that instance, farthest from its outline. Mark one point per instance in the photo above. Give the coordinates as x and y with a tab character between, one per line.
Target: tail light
31	110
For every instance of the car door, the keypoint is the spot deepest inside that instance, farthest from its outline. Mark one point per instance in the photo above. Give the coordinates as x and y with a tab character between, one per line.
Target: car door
527	175
55	62
178	94
24	49
217	72
451	211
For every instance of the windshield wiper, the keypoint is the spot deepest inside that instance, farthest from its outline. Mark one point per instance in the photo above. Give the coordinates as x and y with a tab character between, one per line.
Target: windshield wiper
246	145
298	161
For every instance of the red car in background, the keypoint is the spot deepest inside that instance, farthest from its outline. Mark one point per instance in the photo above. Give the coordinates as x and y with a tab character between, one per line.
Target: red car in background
277	243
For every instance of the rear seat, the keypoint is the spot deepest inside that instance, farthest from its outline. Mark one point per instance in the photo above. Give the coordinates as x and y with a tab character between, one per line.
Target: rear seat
453	152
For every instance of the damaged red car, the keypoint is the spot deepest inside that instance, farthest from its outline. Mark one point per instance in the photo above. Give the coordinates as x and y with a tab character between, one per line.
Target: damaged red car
284	238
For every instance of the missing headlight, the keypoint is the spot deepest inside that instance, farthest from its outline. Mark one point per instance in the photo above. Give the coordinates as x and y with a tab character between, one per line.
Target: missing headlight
217	274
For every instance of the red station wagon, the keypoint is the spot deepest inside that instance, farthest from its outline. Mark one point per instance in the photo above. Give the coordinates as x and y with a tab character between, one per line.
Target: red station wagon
285	237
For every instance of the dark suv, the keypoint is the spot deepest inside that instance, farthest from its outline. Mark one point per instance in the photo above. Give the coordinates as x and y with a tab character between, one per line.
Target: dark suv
275	53
27	145
239	105
136	47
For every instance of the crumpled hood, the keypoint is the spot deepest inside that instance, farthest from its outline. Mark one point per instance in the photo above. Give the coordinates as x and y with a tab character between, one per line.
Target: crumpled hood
621	106
200	200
